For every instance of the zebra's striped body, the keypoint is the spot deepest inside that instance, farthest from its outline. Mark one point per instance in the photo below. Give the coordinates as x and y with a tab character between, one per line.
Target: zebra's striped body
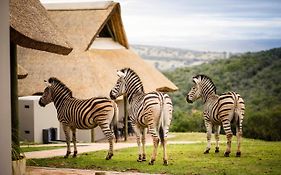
218	110
146	110
75	114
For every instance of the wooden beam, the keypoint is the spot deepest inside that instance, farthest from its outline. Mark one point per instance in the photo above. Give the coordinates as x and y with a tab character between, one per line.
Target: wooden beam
14	102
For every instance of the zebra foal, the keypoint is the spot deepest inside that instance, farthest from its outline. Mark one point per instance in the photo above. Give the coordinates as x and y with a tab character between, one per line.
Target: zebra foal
75	114
146	110
218	110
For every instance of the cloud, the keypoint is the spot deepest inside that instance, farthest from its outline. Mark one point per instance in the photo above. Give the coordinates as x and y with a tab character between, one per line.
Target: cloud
206	21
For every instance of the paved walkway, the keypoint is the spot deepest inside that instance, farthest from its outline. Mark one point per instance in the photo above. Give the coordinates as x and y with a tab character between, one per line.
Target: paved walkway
88	147
91	147
82	148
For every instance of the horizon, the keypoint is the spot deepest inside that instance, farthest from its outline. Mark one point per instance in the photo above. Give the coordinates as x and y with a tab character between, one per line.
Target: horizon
201	25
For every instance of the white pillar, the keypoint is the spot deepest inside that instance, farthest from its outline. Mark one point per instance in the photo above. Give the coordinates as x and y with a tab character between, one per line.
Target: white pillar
5	99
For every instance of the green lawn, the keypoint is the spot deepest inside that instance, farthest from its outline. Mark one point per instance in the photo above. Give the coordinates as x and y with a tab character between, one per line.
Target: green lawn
258	157
40	148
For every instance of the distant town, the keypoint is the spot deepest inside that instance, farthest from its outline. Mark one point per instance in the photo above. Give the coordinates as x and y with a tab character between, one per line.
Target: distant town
165	58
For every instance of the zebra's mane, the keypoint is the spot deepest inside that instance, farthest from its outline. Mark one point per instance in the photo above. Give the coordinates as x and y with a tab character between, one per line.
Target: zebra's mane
127	69
61	84
205	77
131	71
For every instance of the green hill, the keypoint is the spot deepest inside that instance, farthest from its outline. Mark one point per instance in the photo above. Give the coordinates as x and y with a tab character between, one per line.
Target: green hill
255	76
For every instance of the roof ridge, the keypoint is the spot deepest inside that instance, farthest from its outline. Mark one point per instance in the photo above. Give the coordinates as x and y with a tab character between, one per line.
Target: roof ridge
81	5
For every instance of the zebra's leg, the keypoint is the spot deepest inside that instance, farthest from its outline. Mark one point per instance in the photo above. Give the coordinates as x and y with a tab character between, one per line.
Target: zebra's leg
165	157
155	143
138	133
217	137
66	130
239	136
74	142
229	134
143	144
108	133
209	135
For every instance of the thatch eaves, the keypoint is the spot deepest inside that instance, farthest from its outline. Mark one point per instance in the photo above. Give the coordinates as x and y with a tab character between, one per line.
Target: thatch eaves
31	27
88	74
114	21
22	72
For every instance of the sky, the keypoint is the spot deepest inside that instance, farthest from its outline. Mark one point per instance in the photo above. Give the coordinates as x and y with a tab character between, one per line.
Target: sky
205	25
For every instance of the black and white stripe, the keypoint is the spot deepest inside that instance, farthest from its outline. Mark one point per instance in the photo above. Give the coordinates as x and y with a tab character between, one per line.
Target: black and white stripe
75	114
146	110
218	110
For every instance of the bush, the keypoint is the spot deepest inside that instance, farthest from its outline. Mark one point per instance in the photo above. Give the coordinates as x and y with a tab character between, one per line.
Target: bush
264	124
184	122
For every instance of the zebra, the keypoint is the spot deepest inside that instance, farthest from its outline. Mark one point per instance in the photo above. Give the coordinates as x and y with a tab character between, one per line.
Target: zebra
75	114
146	110
218	110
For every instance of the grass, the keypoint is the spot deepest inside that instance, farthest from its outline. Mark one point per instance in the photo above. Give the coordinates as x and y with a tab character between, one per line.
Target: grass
258	157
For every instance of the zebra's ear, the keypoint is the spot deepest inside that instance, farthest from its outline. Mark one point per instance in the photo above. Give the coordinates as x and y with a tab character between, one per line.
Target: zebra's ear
120	73
195	80
47	83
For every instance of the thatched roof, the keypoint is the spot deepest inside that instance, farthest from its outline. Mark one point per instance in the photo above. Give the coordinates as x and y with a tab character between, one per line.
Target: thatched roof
88	74
92	72
31	27
82	26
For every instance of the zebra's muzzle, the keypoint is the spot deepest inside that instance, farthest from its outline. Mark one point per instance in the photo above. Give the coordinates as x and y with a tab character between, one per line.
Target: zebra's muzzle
112	96
41	104
188	100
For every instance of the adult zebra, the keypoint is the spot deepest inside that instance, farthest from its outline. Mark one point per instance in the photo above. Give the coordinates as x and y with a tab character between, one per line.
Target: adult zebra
218	110
75	114
146	110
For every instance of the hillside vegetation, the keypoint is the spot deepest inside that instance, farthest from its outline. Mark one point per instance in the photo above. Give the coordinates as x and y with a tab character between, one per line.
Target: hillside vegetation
255	76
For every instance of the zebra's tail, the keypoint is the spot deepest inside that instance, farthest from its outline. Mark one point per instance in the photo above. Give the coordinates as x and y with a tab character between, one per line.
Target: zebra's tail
161	125
238	110
115	121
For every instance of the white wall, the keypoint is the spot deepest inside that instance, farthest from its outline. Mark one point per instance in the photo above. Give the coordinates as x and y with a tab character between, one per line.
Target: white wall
5	100
26	120
34	118
45	118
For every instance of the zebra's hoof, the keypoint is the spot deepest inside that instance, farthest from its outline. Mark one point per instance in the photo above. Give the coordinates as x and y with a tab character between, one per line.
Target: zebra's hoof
165	162
109	155
226	154
74	154
217	150
151	162
140	158
206	151
67	154
143	158
238	154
